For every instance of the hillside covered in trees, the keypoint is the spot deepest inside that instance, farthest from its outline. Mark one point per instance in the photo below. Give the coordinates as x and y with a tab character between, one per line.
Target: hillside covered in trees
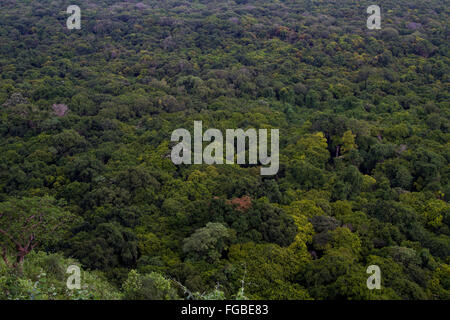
86	176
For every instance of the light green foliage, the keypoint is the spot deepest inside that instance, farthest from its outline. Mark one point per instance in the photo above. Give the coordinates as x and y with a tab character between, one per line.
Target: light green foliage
270	269
44	277
348	142
152	286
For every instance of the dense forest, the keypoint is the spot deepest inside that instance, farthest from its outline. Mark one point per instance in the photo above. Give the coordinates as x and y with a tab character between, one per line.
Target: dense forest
85	171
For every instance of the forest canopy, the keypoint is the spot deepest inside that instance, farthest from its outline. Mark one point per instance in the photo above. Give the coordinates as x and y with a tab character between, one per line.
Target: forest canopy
86	177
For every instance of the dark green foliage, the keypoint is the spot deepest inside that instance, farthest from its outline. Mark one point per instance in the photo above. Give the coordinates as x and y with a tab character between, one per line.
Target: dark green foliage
86	118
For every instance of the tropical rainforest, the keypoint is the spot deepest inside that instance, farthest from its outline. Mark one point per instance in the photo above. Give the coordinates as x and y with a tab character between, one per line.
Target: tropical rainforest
86	177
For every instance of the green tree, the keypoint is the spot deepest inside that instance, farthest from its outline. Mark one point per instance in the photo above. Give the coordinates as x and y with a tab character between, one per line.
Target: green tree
152	286
29	222
208	242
